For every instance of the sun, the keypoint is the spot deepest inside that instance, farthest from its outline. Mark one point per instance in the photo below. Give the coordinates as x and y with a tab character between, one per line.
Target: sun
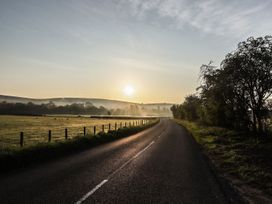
129	90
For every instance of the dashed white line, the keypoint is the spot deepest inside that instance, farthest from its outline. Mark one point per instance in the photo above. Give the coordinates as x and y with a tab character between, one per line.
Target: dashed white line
87	195
127	162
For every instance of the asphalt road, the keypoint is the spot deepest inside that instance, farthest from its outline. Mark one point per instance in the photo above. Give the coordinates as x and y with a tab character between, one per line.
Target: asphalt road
160	165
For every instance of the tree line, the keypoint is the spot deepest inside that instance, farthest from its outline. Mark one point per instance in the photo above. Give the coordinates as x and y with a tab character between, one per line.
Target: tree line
86	108
50	108
237	94
135	109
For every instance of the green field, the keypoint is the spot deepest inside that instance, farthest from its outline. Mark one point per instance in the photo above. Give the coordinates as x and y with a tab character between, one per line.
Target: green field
236	154
36	129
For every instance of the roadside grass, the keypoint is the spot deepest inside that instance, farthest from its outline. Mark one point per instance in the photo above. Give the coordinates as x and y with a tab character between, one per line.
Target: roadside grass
36	128
16	158
236	154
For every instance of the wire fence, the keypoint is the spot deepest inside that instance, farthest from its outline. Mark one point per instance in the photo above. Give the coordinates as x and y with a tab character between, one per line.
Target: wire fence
56	134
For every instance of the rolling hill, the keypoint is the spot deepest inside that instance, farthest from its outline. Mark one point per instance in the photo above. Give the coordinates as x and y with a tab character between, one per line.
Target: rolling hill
107	103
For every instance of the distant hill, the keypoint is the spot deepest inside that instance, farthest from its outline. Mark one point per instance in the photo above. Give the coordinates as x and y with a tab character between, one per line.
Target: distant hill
109	104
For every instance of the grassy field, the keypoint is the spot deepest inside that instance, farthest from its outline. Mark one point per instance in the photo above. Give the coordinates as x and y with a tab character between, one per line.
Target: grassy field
236	154
13	159
36	128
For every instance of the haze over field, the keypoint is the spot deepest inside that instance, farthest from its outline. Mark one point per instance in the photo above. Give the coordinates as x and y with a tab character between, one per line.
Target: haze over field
135	101
86	106
138	51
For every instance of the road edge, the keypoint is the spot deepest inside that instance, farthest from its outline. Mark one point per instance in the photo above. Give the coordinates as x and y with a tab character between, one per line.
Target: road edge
230	192
17	160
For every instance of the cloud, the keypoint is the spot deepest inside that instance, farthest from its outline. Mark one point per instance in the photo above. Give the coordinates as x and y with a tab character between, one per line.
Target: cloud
136	64
44	63
221	17
141	64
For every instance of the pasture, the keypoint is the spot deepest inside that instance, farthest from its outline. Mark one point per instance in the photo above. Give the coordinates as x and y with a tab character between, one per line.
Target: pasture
36	128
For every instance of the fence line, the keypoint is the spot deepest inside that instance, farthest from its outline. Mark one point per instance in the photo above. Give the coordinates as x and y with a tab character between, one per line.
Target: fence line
104	128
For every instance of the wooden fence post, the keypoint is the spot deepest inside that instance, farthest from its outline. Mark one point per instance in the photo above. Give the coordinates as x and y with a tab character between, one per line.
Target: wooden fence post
103	128
84	131
94	130
125	124
49	136
121	125
66	133
109	127
21	139
115	126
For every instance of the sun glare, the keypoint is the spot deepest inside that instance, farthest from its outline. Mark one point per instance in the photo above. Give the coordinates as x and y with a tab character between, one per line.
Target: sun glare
128	90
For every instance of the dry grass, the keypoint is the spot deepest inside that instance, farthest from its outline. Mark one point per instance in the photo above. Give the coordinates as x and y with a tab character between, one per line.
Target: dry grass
36	128
16	158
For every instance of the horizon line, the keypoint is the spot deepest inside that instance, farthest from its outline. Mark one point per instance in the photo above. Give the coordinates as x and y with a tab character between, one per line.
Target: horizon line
95	98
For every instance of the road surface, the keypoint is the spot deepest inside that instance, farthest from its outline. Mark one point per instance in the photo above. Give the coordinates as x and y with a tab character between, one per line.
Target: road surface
160	165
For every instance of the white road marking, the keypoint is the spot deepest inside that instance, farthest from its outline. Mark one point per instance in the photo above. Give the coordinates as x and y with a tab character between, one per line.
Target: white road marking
127	162
87	195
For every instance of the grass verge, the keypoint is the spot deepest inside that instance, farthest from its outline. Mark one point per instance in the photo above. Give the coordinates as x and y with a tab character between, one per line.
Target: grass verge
12	159
236	154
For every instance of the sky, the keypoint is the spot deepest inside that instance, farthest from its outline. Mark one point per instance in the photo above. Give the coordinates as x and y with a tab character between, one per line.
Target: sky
102	48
